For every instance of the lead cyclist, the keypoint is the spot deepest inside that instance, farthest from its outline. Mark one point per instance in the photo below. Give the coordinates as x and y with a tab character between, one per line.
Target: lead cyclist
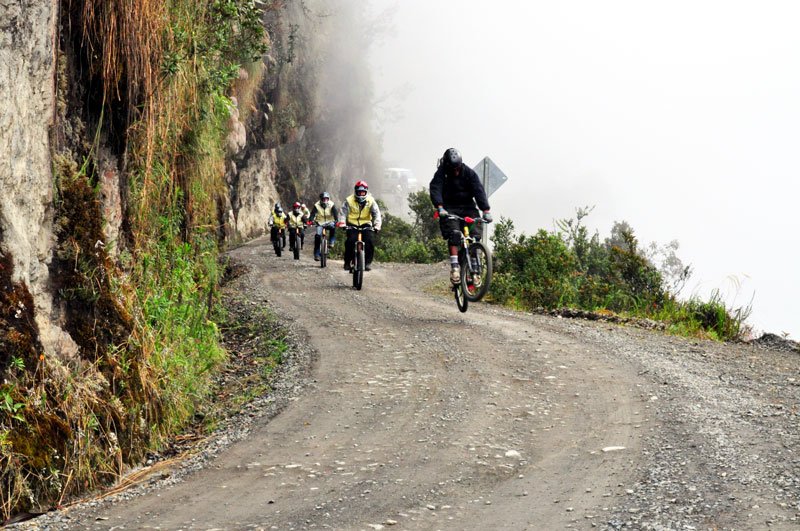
456	188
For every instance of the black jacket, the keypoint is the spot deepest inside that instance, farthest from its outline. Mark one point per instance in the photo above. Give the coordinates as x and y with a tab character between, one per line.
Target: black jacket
458	192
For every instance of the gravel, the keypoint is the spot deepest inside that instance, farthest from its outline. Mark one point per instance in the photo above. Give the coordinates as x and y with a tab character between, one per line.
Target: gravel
539	422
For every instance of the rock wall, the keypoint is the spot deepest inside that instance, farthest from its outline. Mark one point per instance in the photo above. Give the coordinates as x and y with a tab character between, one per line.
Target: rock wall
299	132
27	90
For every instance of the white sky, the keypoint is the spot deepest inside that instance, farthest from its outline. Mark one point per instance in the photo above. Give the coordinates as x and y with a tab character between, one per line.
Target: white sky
681	118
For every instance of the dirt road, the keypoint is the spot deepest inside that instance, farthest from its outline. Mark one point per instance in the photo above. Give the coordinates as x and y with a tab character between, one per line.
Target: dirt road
415	416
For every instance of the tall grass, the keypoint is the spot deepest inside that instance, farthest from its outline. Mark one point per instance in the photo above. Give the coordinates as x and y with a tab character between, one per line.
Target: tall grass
147	344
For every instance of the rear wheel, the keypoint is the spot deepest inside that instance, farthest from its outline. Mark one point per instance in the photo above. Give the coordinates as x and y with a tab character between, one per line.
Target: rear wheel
476	276
358	271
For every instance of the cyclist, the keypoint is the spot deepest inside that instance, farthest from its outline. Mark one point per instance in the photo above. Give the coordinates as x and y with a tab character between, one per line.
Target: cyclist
324	212
456	188
305	210
296	219
277	220
360	210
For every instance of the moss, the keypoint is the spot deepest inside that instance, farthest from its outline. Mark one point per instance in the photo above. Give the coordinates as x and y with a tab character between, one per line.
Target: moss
19	335
95	318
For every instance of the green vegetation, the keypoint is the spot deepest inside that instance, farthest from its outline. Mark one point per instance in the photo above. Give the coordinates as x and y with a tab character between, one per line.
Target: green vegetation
418	242
567	268
145	342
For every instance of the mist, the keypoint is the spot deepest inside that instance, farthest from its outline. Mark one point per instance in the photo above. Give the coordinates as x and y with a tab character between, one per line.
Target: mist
681	118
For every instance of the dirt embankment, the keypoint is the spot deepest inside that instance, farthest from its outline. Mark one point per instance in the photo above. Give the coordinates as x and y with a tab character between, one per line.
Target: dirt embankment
397	411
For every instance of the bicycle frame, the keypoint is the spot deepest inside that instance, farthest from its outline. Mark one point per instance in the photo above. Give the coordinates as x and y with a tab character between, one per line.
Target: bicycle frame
476	273
323	244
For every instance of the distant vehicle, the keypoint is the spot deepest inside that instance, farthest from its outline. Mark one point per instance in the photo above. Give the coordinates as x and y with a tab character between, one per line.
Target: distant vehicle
400	179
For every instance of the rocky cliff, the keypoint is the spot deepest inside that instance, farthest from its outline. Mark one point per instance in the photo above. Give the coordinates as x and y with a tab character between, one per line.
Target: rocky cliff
139	138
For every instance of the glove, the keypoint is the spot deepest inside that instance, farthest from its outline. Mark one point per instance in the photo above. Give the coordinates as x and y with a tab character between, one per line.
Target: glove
376	229
442	212
340	224
487	216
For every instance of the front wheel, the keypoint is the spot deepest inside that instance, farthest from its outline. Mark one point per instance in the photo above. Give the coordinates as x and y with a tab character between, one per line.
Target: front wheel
476	275
277	245
358	270
296	247
323	251
461	297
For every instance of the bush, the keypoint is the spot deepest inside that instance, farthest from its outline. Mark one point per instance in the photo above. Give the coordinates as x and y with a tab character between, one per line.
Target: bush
418	242
568	268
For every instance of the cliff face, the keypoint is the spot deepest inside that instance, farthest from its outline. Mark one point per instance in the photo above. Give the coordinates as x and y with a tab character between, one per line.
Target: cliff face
27	88
135	142
299	126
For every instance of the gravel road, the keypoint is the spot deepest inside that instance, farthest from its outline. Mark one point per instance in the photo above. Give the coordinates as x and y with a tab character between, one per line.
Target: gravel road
395	411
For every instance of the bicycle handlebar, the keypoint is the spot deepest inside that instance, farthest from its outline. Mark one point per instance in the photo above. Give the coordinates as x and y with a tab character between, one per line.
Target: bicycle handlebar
466	219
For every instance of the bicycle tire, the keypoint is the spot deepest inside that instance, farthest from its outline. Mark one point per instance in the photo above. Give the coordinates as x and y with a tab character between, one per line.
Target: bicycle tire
358	270
277	245
461	300
296	247
475	291
323	251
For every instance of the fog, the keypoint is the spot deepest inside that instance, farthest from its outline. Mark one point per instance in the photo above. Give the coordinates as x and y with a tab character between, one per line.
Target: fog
681	118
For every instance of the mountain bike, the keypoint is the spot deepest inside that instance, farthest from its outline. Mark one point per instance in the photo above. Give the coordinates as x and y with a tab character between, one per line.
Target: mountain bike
475	261
323	244
280	241
295	241
358	264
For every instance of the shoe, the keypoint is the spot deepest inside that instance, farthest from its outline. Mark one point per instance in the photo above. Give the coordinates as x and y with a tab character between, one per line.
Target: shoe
330	245
367	267
455	274
348	267
316	258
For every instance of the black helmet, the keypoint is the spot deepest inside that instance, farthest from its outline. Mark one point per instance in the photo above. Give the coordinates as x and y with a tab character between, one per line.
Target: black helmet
324	195
278	208
452	159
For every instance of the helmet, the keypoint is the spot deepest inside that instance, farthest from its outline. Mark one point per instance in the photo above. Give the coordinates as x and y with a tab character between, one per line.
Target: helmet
296	205
452	159
302	205
361	189
278	208
324	195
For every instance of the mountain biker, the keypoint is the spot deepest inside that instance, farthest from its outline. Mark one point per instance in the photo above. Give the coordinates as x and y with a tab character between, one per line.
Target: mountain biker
276	221
456	188
296	219
305	210
360	210
324	212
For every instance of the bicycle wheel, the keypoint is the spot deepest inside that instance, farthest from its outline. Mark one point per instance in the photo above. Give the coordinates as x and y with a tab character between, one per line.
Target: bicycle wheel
358	270
277	245
461	297
323	251
476	275
296	247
